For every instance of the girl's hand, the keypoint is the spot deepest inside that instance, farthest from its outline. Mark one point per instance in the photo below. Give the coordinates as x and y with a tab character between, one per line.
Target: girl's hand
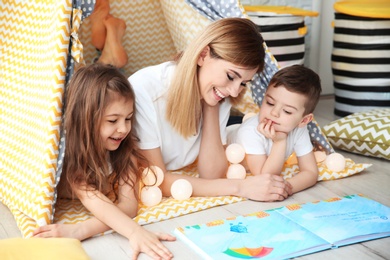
267	128
58	230
144	241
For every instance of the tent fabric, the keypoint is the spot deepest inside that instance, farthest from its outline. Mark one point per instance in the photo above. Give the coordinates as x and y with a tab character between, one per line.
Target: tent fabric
32	77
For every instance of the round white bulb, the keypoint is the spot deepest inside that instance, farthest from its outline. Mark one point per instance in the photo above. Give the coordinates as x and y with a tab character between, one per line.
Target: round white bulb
181	189
152	176
335	162
151	195
235	153
236	171
320	156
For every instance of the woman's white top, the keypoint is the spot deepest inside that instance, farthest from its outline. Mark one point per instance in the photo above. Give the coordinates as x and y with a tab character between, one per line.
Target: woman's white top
151	90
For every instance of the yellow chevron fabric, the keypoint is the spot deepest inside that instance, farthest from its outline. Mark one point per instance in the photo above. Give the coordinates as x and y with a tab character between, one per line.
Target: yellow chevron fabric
183	22
147	40
325	174
34	41
366	133
72	211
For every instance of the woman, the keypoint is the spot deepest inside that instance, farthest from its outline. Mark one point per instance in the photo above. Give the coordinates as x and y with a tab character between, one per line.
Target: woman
183	107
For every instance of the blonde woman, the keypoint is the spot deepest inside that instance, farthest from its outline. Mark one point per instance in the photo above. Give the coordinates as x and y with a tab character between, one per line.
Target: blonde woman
184	105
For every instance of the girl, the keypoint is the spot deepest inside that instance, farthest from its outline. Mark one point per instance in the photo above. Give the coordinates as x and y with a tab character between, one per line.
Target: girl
102	160
184	106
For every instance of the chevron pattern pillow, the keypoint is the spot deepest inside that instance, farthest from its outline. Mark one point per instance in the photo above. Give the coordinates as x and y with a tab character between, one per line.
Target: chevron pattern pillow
366	133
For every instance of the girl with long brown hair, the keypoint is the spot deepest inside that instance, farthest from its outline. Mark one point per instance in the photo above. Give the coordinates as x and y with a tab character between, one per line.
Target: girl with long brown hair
102	161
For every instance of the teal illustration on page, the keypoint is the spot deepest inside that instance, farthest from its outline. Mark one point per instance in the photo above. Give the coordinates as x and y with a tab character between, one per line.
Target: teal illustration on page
290	231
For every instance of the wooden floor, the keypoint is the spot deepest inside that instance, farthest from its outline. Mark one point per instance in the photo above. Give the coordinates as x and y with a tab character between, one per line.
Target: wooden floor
374	183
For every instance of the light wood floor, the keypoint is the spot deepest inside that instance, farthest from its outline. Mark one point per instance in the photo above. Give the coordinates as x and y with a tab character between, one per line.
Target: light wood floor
374	183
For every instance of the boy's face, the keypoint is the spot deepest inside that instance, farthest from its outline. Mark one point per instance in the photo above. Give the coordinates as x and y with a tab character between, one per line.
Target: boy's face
284	108
116	123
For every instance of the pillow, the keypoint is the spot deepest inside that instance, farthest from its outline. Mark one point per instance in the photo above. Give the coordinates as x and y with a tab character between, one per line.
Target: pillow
366	133
42	249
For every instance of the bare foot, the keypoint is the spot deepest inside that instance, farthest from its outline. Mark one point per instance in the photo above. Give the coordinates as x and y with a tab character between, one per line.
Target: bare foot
114	52
98	29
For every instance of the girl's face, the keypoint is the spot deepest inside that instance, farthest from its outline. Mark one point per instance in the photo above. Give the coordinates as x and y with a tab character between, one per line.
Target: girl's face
284	108
116	122
219	79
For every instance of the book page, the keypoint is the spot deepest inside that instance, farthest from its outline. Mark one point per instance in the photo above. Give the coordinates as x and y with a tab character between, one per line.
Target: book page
265	235
342	221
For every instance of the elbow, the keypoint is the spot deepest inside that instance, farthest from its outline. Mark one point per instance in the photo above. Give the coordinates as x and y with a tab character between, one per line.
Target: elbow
210	172
314	178
130	211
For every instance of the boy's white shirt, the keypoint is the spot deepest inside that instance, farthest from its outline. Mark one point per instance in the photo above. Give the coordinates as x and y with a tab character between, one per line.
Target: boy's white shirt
255	143
150	86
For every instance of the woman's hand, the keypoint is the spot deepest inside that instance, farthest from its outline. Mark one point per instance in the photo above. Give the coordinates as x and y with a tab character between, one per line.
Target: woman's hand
265	187
144	241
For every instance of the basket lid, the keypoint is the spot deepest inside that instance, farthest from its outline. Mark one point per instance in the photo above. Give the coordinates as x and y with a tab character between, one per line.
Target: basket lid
364	8
279	10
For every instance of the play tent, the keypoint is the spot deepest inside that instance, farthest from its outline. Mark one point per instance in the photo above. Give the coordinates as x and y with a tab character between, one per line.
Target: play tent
41	43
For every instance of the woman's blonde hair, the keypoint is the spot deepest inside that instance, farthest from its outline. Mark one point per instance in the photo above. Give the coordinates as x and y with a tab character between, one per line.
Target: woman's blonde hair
90	91
235	40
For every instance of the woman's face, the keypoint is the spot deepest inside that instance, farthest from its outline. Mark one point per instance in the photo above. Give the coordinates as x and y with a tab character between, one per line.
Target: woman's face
219	79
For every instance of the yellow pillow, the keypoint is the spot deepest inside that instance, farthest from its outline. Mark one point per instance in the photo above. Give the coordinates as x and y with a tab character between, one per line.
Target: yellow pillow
42	249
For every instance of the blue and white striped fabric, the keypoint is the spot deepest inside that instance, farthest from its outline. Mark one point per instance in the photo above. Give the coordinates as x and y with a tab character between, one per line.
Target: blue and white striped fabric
361	63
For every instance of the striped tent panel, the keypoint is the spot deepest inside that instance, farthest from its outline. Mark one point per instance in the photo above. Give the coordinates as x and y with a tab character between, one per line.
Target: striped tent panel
32	75
284	35
147	40
360	63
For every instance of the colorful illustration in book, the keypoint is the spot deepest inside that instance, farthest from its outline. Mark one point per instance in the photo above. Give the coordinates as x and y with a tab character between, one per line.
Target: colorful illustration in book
245	252
248	253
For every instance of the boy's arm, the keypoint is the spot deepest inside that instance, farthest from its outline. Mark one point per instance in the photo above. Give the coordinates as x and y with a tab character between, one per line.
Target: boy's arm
275	161
255	162
307	175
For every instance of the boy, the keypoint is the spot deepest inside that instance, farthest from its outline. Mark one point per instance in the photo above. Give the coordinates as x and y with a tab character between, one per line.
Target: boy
279	129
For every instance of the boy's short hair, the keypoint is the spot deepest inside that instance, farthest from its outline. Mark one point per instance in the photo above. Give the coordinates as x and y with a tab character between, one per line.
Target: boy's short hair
302	80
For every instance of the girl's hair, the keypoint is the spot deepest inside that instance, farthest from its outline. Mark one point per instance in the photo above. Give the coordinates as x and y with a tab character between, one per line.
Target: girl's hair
90	91
301	80
236	40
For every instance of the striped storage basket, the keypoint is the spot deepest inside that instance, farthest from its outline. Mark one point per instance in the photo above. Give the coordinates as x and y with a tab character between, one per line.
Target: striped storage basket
283	28
361	56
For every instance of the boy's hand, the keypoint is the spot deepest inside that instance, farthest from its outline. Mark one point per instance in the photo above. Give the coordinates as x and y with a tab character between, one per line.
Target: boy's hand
144	241
267	128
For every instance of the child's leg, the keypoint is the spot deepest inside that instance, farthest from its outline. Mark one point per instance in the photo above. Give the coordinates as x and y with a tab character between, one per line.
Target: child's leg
98	29
113	52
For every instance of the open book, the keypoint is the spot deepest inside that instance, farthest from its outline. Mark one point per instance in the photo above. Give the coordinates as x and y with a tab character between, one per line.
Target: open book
290	231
